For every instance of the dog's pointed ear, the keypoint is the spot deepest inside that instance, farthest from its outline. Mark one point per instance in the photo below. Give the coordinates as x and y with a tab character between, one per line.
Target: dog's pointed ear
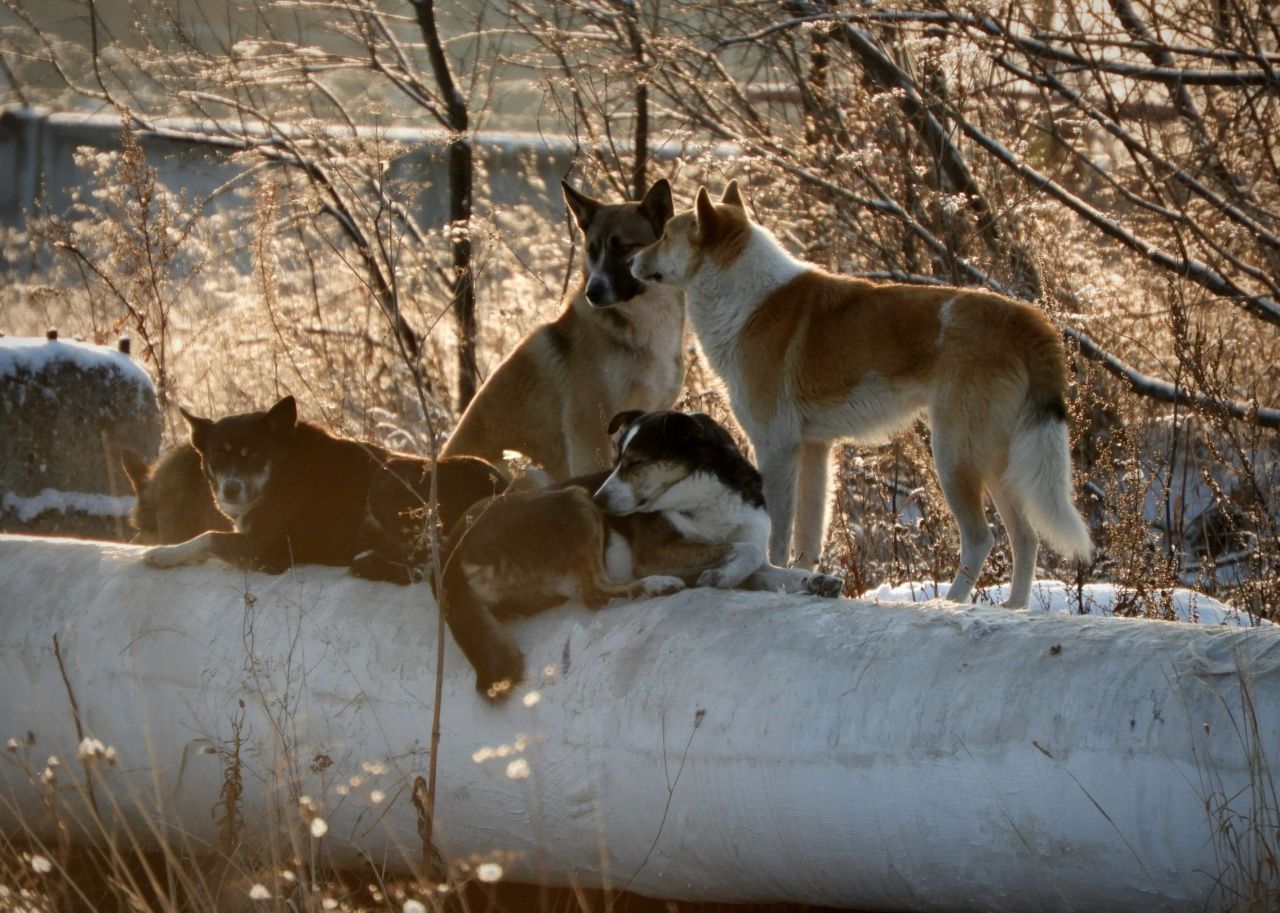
136	468
706	214
623	420
732	196
582	206
199	428
283	416
705	422
714	430
657	205
680	427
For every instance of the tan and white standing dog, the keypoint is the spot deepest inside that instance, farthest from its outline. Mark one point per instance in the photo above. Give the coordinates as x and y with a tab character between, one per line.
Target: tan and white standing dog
618	345
810	358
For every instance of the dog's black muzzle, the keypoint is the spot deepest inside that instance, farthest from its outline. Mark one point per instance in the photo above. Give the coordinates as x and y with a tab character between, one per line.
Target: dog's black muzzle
615	286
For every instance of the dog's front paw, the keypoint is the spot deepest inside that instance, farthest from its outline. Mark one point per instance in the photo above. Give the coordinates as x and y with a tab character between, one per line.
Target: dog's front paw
500	672
825	585
716	578
164	556
372	566
661	586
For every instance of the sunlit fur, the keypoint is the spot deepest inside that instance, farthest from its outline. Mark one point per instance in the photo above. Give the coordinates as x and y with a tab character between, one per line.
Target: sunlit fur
810	358
617	345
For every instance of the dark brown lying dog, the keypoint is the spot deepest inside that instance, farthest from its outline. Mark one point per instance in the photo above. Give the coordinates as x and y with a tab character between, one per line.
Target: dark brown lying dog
298	494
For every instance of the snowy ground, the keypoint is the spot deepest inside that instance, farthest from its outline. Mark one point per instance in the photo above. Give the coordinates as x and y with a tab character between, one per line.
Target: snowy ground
1090	599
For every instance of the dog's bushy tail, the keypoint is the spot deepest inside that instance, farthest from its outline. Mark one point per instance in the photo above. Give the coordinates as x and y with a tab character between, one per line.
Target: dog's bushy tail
492	652
1039	476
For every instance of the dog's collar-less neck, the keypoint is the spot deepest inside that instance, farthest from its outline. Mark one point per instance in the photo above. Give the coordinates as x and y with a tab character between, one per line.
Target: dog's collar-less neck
763	267
714	517
693	499
722	299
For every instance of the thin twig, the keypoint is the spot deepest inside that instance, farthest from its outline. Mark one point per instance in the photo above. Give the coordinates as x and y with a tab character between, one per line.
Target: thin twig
75	715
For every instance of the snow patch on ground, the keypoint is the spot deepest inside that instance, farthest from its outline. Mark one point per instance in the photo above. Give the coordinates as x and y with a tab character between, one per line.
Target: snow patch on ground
84	502
1094	598
36	355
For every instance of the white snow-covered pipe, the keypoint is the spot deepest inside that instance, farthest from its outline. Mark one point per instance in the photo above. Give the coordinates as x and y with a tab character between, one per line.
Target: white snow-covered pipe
709	745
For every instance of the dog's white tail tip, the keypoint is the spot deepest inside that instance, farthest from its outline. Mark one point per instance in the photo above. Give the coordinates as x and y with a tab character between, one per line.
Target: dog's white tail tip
1040	475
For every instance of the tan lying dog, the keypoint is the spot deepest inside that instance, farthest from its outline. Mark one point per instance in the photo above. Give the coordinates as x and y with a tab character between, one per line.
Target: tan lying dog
616	346
680	507
810	357
174	503
524	552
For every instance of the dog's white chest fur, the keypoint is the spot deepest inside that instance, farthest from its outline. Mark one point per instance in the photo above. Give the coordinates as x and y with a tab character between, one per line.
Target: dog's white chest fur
704	509
722	299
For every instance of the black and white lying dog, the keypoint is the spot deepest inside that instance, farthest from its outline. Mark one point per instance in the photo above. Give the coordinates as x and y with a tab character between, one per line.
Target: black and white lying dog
681	507
687	468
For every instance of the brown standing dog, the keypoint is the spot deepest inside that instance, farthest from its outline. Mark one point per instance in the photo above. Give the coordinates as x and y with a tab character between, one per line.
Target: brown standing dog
616	346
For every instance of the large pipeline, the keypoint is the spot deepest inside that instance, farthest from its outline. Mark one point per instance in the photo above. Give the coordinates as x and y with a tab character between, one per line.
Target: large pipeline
705	746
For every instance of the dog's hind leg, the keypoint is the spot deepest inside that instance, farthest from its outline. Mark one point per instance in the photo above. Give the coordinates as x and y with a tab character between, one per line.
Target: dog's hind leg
595	587
743	558
1023	539
963	488
812	499
492	652
686	561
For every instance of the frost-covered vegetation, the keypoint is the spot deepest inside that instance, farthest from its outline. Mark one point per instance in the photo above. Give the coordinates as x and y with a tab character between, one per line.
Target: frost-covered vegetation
1114	163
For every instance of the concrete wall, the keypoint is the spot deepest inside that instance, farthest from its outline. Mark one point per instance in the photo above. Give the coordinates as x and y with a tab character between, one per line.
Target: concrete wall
37	149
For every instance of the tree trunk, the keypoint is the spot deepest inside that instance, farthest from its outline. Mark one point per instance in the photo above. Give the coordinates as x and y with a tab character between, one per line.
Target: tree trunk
461	194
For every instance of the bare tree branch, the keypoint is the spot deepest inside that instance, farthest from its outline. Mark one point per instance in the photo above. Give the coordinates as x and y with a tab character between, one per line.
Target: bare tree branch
461	178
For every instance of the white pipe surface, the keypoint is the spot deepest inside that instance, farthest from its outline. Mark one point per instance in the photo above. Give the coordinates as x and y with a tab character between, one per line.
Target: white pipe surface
714	746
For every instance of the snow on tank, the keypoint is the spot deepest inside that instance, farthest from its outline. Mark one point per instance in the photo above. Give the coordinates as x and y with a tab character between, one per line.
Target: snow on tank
66	410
